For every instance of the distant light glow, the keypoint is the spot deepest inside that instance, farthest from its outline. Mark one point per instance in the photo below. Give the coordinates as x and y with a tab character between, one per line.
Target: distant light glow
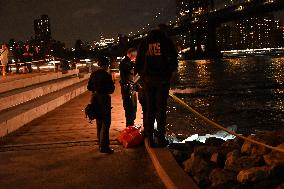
220	134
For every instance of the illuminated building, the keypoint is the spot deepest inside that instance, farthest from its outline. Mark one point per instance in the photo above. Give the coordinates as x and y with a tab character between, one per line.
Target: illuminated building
42	30
254	32
103	41
182	8
250	33
192	9
225	37
257	32
282	31
279	36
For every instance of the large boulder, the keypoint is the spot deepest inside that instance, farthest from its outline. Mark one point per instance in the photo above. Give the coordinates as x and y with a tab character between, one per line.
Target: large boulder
180	155
232	157
250	148
187	146
254	174
218	158
220	177
279	135
213	141
275	158
281	186
256	150
271	183
190	164
244	162
233	143
198	168
182	151
205	151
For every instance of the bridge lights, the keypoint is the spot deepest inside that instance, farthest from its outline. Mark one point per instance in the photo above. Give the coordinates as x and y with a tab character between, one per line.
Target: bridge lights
240	8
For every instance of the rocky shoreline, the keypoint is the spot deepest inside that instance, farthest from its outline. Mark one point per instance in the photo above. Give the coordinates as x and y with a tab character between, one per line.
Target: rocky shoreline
235	164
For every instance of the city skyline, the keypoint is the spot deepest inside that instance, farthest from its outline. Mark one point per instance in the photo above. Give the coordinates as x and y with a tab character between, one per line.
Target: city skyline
87	20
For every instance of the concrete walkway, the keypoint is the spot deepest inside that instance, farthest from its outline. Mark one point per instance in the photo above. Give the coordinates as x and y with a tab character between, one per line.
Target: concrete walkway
59	150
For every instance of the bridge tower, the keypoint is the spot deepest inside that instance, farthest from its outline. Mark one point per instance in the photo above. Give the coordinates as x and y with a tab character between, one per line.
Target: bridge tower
201	39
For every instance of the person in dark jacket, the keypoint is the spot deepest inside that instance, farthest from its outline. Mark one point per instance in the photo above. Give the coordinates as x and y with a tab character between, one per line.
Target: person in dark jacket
126	68
28	57
38	58
101	85
18	56
155	63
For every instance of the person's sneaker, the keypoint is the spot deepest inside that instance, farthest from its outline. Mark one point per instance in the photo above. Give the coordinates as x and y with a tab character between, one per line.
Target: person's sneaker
106	150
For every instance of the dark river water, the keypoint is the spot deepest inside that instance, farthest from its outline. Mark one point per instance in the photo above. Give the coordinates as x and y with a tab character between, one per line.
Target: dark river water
246	94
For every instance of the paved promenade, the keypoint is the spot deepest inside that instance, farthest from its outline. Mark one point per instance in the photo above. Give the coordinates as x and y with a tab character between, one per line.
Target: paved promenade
60	150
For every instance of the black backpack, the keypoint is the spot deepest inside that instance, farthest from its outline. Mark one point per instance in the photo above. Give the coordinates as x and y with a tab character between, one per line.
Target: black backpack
92	111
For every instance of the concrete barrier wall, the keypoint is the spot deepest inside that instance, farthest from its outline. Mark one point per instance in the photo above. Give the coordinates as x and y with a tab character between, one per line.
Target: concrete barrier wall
24	82
13	123
16	99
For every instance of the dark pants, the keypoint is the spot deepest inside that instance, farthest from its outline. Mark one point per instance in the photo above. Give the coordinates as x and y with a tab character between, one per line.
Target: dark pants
129	103
156	92
142	97
142	101
17	67
29	67
9	67
104	120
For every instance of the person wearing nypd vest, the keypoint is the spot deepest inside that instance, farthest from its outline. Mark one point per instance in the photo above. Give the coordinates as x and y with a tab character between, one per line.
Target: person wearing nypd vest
155	63
128	93
101	85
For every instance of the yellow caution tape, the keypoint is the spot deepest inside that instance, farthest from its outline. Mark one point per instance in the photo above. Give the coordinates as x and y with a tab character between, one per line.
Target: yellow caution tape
178	100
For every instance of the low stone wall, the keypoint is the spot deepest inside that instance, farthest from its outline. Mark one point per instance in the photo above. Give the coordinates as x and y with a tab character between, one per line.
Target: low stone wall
20	115
32	112
19	98
234	163
28	81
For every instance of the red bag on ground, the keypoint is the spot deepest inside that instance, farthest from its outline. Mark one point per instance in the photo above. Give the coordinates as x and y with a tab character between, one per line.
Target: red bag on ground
131	136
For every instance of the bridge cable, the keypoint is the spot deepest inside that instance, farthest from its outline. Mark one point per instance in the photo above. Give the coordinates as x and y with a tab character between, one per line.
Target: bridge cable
211	123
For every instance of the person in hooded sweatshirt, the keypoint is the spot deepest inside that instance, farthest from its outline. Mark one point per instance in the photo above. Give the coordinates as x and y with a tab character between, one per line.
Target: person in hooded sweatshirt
101	85
155	63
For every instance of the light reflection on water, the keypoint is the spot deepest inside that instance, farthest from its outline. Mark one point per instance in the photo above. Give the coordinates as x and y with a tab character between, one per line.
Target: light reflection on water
246	92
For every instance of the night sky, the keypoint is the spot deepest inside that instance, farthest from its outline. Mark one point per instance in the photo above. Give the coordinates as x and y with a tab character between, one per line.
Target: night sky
85	19
82	19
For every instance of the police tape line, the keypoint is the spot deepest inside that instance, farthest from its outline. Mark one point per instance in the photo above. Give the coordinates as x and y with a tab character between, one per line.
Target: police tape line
178	100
